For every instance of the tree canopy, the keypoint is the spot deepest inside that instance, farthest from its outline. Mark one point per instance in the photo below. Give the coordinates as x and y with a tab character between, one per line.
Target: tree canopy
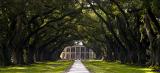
38	30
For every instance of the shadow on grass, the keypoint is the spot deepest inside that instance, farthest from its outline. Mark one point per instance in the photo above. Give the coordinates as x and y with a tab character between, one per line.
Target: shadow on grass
110	67
43	67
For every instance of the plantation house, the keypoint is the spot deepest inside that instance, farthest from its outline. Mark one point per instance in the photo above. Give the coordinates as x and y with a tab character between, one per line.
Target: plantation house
77	52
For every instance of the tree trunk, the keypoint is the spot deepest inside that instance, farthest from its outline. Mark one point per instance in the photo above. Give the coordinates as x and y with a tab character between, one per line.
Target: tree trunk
19	56
37	54
5	56
30	55
2	62
151	37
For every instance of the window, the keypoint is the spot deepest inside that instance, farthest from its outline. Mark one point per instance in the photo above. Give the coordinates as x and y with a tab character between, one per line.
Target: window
72	55
68	49
77	49
87	50
82	56
73	49
82	49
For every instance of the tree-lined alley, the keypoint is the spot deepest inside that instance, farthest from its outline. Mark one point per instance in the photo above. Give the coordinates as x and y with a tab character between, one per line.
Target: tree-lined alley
38	30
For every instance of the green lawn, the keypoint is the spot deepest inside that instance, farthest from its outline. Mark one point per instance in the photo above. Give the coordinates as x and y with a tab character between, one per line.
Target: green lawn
110	67
41	67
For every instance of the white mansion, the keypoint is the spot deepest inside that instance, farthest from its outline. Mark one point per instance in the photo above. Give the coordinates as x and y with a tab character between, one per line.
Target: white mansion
77	52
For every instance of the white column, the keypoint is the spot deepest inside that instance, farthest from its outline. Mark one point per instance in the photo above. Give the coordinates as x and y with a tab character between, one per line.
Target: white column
80	51
92	55
65	53
75	53
70	53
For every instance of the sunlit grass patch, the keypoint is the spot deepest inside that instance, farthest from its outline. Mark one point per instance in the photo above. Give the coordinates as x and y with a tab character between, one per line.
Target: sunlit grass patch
110	67
40	67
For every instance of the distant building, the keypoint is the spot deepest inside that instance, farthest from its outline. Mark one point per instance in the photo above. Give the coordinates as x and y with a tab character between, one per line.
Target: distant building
77	52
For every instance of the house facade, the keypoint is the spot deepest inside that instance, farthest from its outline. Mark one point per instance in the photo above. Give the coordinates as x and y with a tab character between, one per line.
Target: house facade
77	52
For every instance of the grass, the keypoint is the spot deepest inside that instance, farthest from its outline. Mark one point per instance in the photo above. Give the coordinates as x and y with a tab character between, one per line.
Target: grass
40	67
110	67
